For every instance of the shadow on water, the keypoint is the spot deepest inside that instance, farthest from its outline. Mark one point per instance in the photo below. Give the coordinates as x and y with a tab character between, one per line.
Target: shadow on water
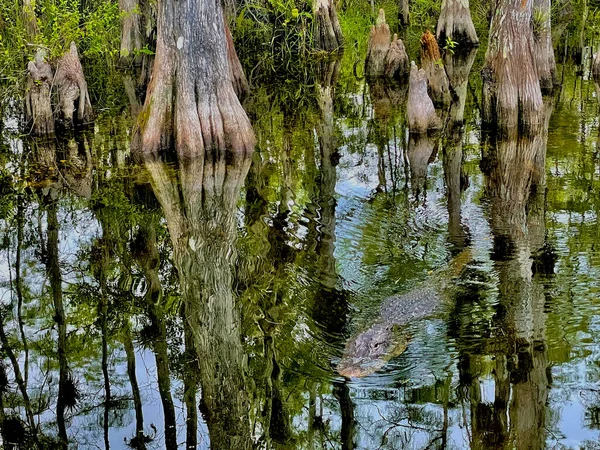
210	302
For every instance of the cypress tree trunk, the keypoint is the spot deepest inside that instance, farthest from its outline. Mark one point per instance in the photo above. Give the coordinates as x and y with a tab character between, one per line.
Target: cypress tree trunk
132	38
439	86
456	24
328	33
403	14
38	106
544	50
191	104
511	88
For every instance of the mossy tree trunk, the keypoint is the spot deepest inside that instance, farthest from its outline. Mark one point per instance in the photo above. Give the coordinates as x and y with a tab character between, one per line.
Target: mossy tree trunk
544	50
132	34
511	87
328	33
191	105
455	23
596	74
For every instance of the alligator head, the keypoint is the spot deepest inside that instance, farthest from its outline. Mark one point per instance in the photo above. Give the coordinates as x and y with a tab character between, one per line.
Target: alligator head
371	350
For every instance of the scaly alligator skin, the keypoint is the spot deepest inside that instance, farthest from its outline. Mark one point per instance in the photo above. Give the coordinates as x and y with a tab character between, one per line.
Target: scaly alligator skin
370	350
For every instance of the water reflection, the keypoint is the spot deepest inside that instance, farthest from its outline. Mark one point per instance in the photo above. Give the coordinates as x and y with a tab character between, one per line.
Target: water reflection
206	303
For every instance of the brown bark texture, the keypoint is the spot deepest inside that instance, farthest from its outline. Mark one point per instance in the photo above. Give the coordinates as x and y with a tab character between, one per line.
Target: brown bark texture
397	65
385	58
236	72
511	89
420	110
455	23
191	105
431	62
543	48
379	44
132	38
38	107
73	98
328	33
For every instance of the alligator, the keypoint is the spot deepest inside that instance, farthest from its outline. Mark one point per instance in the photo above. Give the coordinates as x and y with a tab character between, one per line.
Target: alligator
388	336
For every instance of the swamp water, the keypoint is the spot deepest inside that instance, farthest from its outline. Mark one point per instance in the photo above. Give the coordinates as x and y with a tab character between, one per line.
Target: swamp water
337	210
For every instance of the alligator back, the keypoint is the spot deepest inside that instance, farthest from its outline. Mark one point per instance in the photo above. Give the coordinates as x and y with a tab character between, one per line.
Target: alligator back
369	351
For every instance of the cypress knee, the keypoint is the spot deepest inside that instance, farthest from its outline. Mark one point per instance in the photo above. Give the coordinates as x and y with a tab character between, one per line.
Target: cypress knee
420	110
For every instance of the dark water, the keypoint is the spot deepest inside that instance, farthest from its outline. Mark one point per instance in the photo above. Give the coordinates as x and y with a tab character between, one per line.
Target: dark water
261	276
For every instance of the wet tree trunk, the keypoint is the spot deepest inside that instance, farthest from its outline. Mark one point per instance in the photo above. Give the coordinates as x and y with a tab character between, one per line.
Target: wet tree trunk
191	104
511	88
455	23
420	150
543	48
328	33
200	209
38	107
55	276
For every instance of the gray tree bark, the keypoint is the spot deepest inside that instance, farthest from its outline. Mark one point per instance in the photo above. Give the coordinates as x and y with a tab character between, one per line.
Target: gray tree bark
191	105
511	89
455	23
328	33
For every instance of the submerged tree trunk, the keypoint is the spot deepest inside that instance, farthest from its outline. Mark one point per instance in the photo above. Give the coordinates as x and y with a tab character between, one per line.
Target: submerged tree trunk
200	209
455	24
543	48
191	104
73	95
328	33
511	88
38	106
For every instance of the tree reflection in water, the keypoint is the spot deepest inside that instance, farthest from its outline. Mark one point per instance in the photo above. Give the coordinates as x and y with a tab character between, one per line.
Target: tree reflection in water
209	300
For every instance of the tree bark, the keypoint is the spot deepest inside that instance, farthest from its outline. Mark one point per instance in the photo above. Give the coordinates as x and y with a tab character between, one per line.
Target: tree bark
132	38
72	90
236	72
397	65
455	23
420	110
38	106
30	19
511	88
191	105
328	33
403	14
379	44
431	63
543	48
